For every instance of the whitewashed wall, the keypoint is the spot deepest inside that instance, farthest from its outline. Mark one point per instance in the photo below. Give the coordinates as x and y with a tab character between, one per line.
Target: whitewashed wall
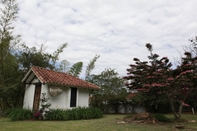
56	101
83	97
61	101
29	96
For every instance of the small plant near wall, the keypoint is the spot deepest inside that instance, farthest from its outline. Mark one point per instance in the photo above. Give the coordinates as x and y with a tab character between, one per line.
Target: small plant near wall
45	107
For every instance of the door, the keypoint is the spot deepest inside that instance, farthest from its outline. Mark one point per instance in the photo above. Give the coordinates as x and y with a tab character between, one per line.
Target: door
36	103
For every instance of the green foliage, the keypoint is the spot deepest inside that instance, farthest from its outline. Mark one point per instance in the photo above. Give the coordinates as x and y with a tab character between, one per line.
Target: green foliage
162	118
84	113
74	114
11	96
56	54
76	69
12	91
91	66
8	41
8	111
16	59
112	91
28	57
9	74
56	114
16	114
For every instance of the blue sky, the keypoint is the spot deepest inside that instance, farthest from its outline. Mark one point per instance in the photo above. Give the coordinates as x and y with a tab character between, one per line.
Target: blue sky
116	30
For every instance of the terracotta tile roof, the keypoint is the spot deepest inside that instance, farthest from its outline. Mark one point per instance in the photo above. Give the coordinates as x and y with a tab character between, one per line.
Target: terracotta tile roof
53	77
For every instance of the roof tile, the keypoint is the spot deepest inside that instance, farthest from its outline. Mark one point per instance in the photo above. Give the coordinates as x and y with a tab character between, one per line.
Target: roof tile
53	77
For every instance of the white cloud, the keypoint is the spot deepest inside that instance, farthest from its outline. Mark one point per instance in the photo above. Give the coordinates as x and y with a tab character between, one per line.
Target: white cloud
117	30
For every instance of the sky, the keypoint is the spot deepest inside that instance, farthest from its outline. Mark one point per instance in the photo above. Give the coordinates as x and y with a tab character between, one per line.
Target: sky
116	30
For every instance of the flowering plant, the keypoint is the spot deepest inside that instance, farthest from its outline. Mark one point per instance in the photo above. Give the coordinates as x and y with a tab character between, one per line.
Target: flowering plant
44	107
37	115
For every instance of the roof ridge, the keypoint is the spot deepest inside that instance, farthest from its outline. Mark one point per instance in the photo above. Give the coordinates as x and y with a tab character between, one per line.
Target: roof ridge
60	72
52	76
48	69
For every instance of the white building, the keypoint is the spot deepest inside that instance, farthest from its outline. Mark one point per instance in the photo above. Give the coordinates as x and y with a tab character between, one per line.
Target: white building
63	90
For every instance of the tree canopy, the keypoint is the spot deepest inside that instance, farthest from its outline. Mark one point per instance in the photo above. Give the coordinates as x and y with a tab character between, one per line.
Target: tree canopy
15	61
157	82
112	92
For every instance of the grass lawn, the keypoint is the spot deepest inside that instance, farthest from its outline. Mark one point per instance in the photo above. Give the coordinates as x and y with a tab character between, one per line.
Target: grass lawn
107	123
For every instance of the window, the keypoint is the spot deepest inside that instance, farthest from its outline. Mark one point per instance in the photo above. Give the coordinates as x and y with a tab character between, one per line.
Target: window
73	97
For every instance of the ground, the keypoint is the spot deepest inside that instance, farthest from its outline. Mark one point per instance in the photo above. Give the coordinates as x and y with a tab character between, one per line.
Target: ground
107	123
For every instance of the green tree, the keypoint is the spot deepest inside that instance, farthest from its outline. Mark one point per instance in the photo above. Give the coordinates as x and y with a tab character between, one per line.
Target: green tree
8	40
28	57
76	69
112	92
91	66
12	91
15	62
8	65
55	55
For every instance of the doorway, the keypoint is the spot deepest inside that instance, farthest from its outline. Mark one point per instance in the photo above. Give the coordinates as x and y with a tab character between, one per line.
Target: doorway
37	93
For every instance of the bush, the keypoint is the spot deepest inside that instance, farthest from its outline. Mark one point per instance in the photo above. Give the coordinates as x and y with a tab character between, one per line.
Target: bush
18	114
96	113
74	114
162	118
56	114
8	111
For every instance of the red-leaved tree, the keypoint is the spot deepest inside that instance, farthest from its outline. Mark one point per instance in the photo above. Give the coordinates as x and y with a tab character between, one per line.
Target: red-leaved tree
157	82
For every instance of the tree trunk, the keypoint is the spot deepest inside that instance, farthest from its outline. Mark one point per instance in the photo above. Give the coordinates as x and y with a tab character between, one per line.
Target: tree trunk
180	109
173	110
183	101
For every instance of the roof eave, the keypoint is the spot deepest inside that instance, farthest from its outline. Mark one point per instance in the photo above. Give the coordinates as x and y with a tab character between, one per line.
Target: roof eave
64	85
27	75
